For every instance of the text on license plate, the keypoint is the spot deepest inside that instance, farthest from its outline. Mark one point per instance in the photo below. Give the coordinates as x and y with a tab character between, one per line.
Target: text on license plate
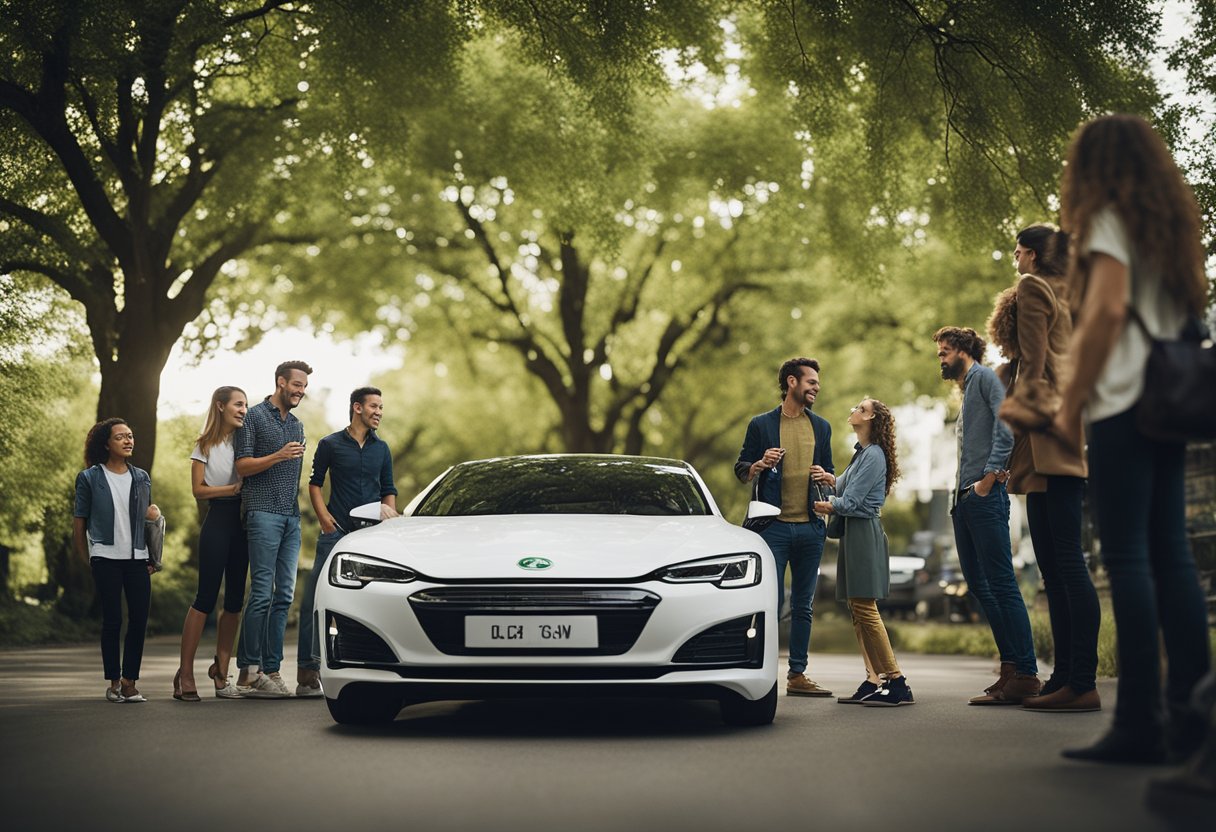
514	631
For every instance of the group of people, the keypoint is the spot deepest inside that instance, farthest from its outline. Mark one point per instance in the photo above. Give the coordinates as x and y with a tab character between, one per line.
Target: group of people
1076	330
1131	250
246	464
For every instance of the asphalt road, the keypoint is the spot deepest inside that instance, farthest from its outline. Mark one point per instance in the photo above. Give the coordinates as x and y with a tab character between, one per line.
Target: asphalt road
72	760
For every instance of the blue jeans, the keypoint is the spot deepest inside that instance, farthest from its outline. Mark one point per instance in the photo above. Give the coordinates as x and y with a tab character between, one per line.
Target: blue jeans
1140	503
801	546
308	653
274	551
981	534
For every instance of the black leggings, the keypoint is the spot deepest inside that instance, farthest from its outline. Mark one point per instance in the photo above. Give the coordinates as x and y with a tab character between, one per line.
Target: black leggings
223	554
114	577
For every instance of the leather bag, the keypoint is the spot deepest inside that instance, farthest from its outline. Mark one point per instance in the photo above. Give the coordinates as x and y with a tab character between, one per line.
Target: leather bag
1178	403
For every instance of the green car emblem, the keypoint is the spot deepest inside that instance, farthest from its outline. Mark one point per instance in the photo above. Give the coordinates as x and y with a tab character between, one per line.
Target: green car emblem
535	563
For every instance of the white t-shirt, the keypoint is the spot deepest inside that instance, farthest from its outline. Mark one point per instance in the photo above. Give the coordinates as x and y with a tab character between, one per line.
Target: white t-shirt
219	463
1122	379
120	492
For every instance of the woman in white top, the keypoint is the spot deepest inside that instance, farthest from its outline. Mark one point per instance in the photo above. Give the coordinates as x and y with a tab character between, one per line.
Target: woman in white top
223	554
113	499
1136	253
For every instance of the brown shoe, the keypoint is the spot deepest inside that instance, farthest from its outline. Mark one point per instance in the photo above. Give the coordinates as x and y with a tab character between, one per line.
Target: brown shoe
1021	686
1064	700
800	685
990	696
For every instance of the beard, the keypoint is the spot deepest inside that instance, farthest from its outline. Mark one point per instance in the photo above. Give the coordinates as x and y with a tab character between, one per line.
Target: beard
952	370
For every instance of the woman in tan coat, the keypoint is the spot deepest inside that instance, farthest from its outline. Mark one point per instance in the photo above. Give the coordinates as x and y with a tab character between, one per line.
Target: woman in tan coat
1032	325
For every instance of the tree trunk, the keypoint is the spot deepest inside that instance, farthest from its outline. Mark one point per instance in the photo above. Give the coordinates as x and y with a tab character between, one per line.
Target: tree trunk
130	386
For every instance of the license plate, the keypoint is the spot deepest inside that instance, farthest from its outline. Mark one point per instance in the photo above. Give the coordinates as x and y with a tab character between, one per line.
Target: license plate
513	631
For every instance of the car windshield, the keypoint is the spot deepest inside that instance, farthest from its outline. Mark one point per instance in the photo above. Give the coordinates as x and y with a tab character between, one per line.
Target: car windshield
567	485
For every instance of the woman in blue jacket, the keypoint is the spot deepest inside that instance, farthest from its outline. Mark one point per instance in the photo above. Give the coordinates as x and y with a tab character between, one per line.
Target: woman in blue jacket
113	499
863	572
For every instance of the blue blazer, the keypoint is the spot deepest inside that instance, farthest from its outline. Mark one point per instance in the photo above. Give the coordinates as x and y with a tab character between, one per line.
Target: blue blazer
764	432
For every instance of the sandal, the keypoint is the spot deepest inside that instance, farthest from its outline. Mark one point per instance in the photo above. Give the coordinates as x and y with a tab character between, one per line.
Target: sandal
183	695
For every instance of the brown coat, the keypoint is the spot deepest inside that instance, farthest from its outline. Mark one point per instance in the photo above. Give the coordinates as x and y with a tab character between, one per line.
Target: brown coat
1044	327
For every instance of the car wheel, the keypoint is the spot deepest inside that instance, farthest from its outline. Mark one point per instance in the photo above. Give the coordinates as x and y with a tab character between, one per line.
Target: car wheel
365	705
738	710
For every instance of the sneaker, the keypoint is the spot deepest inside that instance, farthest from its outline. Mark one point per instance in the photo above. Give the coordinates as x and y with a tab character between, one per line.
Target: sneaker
892	693
800	685
866	688
309	682
231	691
268	686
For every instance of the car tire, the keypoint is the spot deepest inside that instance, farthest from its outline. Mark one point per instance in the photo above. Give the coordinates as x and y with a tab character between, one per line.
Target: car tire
365	705
741	711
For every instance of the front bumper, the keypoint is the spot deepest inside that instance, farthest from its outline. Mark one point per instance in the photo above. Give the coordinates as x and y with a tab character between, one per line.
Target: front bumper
671	654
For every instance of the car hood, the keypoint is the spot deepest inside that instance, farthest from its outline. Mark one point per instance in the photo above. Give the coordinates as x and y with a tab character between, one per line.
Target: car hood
578	546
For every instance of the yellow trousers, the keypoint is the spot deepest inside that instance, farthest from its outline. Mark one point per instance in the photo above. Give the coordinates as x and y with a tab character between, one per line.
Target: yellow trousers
873	640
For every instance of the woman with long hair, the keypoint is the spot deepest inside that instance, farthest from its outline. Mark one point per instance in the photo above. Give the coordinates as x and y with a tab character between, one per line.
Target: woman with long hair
863	571
1032	324
1136	271
113	499
223	554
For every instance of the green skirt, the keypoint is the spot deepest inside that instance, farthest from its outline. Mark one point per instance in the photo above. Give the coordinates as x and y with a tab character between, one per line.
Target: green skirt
863	569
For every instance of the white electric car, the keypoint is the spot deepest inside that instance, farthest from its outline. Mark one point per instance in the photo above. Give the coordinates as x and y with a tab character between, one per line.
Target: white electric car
551	576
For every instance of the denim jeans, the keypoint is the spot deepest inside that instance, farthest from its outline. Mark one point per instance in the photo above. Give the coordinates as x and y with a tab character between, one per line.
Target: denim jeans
981	534
274	551
1140	502
801	546
308	653
1055	529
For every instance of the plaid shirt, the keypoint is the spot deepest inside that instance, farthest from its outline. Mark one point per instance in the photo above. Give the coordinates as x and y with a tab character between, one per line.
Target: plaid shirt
276	489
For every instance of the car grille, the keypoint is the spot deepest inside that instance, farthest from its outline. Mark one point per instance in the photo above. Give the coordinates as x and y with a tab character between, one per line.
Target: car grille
621	615
354	643
727	643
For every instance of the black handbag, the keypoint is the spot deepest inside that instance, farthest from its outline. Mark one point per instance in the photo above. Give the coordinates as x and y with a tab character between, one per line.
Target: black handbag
757	524
1179	398
836	526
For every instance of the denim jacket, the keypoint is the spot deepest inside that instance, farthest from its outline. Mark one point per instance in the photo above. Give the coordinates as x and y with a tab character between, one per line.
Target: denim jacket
95	503
764	432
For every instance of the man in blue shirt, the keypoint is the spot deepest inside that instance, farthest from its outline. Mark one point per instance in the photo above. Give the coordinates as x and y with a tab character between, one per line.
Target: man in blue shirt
269	449
360	466
980	510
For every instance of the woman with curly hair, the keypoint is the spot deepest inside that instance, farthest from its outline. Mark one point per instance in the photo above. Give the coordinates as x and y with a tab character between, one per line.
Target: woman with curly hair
1136	271
1031	324
863	571
113	499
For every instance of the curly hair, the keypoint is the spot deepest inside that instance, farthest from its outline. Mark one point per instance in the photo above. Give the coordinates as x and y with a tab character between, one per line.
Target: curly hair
1119	161
793	367
96	451
964	339
1003	323
882	434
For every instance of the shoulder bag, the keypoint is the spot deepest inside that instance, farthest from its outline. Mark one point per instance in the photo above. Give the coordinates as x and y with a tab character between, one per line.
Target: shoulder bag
1179	398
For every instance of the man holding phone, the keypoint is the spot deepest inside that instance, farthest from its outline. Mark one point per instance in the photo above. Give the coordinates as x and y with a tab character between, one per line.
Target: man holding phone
790	449
360	468
269	450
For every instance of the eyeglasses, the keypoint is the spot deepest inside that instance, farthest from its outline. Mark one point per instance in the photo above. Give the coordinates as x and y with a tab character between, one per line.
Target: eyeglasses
857	408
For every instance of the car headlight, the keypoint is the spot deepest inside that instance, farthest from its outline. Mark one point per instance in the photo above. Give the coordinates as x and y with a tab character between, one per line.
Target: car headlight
355	571
727	571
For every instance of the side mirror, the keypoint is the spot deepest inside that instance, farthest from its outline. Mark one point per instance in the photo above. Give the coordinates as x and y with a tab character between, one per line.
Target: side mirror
366	515
757	509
